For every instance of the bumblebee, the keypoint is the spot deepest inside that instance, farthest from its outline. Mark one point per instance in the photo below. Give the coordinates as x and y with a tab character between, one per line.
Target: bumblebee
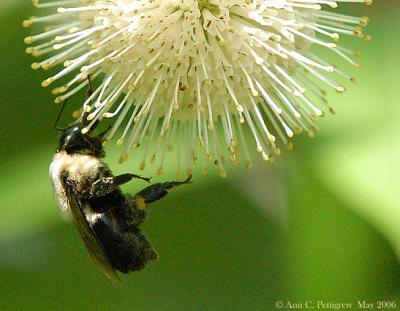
107	220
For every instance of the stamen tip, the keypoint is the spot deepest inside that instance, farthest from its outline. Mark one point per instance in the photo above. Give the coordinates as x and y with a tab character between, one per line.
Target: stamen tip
364	21
298	130
60	90
315	129
271	138
122	158
340	89
35	66
297	93
367	38
77	113
333	5
120	142
47	82
28	40
248	164
265	156
68	63
27	23
47	66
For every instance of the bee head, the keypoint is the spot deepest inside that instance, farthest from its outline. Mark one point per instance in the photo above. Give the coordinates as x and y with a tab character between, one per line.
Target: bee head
74	141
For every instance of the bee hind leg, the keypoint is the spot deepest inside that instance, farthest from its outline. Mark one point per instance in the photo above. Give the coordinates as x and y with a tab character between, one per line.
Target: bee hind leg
137	204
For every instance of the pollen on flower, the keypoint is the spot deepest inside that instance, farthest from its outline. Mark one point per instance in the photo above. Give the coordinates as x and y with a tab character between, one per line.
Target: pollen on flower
190	79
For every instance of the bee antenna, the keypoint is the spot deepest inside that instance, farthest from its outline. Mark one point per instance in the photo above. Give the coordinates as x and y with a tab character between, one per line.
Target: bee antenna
88	94
59	117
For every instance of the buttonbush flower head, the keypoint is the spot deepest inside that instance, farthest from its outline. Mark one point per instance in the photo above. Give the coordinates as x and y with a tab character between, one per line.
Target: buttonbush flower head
198	80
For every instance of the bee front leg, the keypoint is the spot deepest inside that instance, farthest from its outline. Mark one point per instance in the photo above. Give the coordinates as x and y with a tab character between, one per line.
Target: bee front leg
106	185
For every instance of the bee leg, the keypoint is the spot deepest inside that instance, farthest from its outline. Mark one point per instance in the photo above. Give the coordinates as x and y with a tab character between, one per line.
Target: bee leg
147	179
157	191
107	185
103	134
90	88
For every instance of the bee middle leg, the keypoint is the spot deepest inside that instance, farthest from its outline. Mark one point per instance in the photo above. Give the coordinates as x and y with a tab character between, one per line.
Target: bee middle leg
158	191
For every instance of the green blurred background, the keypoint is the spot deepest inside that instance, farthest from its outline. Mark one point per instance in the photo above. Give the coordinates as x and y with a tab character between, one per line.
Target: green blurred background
321	223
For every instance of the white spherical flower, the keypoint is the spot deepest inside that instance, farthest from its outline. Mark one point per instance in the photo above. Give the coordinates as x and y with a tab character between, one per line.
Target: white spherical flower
196	75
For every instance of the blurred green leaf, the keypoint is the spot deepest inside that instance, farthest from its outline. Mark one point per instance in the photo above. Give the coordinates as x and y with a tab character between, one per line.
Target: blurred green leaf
361	152
331	252
366	175
9	4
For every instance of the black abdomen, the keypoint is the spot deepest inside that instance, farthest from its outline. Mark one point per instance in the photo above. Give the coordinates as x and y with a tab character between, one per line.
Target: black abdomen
127	249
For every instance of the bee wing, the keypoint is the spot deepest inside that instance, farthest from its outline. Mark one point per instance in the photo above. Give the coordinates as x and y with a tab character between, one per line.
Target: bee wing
87	234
